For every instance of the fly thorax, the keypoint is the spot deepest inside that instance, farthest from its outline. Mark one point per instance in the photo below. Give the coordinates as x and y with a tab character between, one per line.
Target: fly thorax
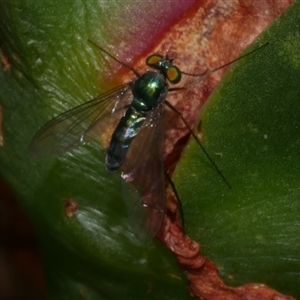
149	91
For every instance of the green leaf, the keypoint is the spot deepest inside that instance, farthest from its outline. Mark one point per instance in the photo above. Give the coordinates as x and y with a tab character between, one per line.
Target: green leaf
251	128
88	251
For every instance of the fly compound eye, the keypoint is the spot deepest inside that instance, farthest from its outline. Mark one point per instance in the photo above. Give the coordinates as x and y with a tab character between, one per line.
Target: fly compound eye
173	74
154	60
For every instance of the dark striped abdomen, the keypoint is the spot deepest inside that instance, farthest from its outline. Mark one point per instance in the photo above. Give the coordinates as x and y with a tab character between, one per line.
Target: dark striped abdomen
148	92
125	132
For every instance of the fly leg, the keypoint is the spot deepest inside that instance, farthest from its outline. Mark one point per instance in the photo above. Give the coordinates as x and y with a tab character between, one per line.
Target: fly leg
198	141
172	184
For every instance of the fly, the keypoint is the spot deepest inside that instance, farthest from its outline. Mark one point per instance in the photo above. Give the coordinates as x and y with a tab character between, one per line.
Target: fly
136	145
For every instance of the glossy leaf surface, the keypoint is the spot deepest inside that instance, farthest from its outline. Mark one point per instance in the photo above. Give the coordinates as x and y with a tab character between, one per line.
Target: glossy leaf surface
77	208
251	127
87	244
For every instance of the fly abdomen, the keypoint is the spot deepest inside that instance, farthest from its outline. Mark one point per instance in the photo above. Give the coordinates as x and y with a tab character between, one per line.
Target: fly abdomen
128	127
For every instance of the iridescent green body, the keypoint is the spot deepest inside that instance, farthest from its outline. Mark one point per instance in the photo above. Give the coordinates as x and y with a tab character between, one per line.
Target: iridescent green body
149	91
138	140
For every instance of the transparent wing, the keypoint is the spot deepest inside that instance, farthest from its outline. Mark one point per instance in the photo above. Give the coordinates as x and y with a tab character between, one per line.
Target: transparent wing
82	123
143	174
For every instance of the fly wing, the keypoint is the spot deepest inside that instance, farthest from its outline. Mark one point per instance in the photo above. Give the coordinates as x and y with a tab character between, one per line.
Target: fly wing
82	123
143	174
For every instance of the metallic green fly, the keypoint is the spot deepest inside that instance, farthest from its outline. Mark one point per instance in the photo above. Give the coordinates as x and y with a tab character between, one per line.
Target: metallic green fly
136	145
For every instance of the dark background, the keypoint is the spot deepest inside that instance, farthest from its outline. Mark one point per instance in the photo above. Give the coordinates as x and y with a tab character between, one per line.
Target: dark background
21	273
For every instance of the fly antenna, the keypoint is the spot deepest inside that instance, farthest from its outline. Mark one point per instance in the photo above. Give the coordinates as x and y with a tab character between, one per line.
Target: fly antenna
114	58
203	76
207	72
